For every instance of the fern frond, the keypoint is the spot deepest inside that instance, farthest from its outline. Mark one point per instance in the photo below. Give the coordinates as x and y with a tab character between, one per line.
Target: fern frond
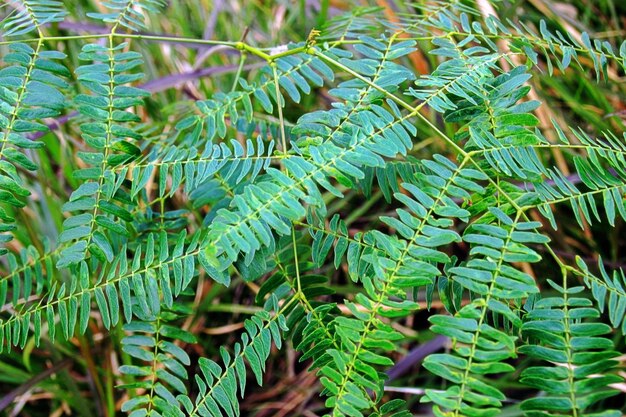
479	347
128	13
459	77
29	92
108	135
556	48
430	16
360	21
218	386
609	290
156	275
406	263
29	275
336	124
31	15
153	342
498	126
190	168
562	333
601	171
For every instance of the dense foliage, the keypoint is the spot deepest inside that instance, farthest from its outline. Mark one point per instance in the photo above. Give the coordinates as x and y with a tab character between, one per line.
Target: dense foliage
392	176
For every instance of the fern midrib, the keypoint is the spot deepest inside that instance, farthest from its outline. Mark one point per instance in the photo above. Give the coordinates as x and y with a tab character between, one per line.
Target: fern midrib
578	195
428	17
122	15
374	312
339	236
533	39
616	289
346	30
484	309
204	159
107	146
304	302
33	17
155	363
597	148
568	348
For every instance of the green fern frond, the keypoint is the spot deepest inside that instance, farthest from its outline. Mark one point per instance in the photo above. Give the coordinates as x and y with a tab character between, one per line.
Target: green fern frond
128	13
360	21
609	290
481	348
190	168
219	385
525	40
153	342
108	135
156	274
31	274
31	15
601	172
576	349
409	262
29	93
429	15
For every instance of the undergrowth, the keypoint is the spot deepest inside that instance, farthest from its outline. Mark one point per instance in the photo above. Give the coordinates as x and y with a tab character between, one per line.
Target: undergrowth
123	213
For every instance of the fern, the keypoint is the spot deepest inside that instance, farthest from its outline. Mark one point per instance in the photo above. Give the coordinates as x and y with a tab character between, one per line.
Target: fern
253	193
482	348
29	93
29	15
107	136
219	385
152	341
570	340
128	13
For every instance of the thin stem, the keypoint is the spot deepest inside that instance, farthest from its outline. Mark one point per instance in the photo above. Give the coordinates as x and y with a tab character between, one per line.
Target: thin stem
279	104
242	60
568	346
